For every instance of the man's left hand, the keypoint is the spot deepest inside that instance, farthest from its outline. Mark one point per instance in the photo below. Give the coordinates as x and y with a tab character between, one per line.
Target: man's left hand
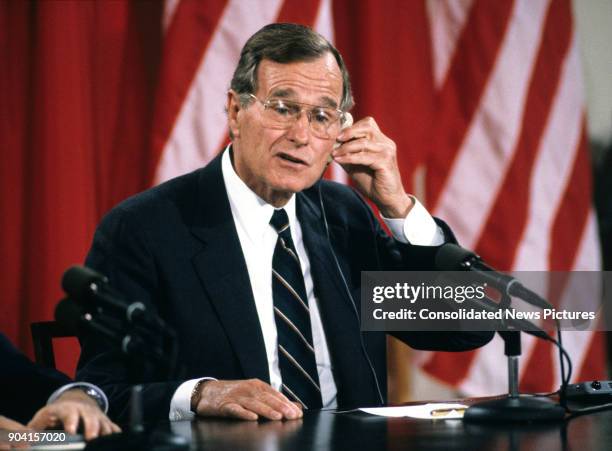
370	158
69	409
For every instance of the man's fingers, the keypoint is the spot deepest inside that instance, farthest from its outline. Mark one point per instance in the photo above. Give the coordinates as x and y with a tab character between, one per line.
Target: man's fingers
35	421
261	408
70	420
275	399
365	127
42	419
282	405
354	146
69	413
97	424
362	146
358	159
248	400
268	390
91	424
105	427
235	410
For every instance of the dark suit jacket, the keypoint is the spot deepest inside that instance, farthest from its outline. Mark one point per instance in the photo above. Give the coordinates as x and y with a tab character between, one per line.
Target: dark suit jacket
176	249
24	386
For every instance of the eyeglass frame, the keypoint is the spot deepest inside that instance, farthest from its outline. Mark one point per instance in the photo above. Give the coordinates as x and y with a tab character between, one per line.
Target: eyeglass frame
341	114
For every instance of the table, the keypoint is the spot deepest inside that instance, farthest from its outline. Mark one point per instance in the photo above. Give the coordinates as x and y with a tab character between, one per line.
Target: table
327	430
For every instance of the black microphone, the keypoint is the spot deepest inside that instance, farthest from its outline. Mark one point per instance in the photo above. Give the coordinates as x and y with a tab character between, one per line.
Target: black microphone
74	318
91	290
79	281
451	257
509	324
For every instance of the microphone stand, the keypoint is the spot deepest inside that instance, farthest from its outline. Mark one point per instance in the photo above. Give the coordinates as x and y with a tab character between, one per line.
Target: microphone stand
136	344
514	407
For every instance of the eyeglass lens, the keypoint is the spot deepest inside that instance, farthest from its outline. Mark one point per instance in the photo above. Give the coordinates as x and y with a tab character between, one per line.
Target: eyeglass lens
324	122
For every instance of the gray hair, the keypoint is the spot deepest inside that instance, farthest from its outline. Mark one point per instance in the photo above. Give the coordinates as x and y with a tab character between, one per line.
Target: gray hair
285	43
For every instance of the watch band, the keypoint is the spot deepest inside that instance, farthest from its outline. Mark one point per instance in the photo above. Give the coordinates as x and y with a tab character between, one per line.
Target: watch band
196	394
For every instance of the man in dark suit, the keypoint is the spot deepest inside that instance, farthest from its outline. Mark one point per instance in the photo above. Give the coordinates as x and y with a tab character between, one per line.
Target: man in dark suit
256	262
42	397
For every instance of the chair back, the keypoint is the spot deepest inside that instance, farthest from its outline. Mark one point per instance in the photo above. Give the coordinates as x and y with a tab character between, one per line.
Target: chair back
43	333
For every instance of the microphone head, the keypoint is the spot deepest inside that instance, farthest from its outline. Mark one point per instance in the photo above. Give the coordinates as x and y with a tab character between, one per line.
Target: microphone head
68	314
77	281
451	257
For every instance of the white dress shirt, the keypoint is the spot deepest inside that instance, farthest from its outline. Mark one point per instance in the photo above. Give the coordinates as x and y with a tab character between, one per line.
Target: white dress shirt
90	390
258	240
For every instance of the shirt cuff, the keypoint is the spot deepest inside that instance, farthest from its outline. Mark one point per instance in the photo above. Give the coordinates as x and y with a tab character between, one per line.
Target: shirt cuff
180	404
91	390
417	228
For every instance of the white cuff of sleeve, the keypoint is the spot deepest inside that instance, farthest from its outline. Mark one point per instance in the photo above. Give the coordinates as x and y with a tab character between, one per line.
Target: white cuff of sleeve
180	404
91	390
417	228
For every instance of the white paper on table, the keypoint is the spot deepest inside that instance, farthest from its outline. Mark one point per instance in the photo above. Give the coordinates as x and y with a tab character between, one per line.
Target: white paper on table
421	411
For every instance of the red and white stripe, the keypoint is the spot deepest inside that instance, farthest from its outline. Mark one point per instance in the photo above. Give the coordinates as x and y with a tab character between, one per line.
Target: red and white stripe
509	169
492	132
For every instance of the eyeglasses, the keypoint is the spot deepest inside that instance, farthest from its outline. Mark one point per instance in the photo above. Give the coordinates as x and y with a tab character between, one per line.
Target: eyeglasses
281	114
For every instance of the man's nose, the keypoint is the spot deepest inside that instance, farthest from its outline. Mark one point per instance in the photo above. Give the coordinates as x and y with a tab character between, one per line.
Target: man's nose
299	132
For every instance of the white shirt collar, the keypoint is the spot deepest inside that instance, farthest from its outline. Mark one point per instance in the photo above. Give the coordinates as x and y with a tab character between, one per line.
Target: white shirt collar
248	208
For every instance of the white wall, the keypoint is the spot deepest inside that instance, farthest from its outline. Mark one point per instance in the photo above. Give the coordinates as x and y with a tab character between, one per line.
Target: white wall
594	25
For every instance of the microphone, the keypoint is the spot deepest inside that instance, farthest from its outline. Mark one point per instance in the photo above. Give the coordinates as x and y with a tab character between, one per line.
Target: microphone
451	257
519	324
74	318
78	281
91	290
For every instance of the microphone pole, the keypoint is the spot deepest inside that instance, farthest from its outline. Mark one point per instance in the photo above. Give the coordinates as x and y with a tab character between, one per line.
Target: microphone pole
513	407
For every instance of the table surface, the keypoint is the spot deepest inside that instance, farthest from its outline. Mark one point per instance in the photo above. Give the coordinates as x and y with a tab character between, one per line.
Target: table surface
322	430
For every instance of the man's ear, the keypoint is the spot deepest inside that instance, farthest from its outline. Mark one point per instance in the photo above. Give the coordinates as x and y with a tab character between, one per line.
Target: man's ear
233	108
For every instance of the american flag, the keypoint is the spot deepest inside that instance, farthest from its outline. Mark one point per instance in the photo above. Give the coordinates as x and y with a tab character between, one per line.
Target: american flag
510	167
498	144
482	97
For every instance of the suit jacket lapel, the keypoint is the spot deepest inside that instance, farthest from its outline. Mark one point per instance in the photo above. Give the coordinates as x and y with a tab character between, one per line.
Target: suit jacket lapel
222	269
338	316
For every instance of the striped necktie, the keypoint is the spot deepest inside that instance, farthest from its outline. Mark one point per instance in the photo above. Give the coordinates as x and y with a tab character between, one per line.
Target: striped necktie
296	354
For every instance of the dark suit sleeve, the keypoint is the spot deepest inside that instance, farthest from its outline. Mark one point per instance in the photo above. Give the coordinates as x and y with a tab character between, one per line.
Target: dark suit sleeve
393	255
24	386
120	251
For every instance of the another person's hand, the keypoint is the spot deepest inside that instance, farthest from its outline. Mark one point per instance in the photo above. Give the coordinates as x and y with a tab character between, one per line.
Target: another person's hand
246	400
370	158
69	409
11	425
